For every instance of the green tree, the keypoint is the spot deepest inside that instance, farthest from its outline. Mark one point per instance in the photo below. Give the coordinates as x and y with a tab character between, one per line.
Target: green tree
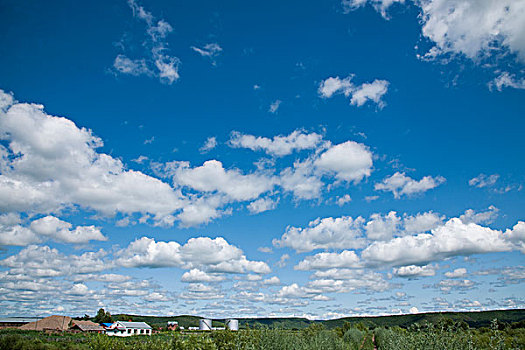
103	317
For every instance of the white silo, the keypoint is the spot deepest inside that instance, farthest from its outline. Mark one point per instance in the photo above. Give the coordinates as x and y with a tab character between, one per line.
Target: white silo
232	324
205	325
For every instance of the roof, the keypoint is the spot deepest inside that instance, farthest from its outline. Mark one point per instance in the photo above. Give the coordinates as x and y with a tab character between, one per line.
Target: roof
88	326
56	322
140	325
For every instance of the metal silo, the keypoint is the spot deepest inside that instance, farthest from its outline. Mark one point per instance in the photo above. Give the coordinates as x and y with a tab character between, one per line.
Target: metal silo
232	324
205	325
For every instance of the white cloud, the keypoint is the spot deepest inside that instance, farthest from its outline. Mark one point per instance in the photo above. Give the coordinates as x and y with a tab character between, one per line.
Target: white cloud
196	275
421	222
370	92
451	239
483	217
13	233
274	106
457	273
382	227
211	143
474	28
415	271
203	253
343	200
517	235
326	233
277	146
380	5
211	50
60	231
212	177
43	261
159	63
58	166
261	205
505	79
301	180
400	184
283	260
483	180
346	258
349	161
359	94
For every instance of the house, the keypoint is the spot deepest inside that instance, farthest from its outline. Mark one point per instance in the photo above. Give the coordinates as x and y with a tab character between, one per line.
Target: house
86	327
127	329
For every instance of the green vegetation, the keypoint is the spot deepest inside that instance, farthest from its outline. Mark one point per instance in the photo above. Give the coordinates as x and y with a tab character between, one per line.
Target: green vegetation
446	334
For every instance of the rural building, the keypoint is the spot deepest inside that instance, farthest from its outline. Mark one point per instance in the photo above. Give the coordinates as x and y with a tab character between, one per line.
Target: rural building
15	322
127	329
87	327
51	323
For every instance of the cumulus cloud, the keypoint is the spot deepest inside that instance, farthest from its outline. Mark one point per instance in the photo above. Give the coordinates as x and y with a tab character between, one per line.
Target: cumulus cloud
198	276
159	63
346	258
326	233
411	271
358	94
349	161
517	236
457	273
212	177
451	239
57	166
301	180
202	253
343	200
277	146
400	184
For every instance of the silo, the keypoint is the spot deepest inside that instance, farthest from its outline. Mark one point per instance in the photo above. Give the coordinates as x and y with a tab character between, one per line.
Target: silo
205	325
232	324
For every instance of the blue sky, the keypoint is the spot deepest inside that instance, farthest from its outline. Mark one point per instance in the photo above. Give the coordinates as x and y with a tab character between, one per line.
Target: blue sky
318	159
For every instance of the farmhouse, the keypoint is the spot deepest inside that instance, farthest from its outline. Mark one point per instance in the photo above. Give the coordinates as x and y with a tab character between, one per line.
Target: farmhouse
127	329
87	327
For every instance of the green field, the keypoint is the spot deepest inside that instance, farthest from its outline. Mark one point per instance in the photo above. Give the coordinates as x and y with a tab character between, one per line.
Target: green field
444	334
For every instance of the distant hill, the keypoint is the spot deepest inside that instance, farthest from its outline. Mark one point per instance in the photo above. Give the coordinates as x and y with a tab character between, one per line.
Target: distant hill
473	319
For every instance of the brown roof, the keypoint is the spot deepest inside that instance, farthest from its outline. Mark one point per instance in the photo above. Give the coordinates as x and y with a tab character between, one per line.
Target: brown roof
87	326
55	322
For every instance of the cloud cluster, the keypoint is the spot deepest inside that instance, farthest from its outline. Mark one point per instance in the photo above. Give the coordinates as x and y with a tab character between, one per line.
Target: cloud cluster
50	164
277	146
358	94
203	253
400	184
158	63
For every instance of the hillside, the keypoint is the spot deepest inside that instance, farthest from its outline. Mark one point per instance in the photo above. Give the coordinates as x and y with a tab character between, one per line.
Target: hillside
473	319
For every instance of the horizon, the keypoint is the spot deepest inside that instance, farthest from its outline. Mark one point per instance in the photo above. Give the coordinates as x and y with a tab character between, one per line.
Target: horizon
320	160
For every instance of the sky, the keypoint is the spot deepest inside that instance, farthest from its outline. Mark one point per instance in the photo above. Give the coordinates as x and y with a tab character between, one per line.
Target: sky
317	158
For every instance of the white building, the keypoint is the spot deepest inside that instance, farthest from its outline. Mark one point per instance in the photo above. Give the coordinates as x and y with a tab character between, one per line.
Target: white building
127	329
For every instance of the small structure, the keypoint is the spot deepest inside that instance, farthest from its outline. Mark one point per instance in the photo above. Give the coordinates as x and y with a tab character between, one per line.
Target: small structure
205	324
173	325
127	329
232	324
53	323
15	322
87	327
